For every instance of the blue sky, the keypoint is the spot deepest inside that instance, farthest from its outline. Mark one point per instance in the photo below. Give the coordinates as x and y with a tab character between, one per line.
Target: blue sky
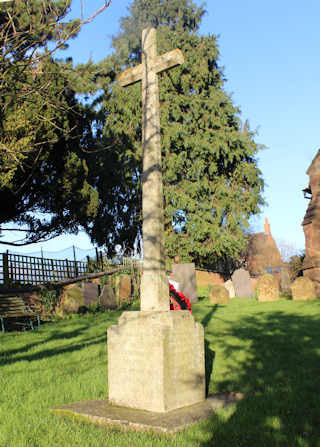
270	51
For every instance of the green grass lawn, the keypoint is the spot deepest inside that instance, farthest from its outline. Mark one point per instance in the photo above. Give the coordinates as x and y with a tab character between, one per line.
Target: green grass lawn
268	351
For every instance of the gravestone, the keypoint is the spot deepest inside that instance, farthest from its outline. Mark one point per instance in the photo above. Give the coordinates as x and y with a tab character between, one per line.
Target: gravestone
285	281
230	288
71	300
107	299
122	286
303	289
185	275
268	288
155	356
219	294
242	284
90	293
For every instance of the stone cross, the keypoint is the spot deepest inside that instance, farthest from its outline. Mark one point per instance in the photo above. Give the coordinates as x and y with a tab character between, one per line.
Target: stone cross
154	283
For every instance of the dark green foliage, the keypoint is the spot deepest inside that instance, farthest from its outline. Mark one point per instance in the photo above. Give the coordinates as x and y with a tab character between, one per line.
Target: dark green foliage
212	184
43	128
49	298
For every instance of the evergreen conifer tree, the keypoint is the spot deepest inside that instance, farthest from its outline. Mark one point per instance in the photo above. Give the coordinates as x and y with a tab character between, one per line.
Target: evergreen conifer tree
212	184
44	184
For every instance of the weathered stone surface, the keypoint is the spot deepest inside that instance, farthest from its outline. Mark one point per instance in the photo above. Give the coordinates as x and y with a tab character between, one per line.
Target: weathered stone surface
208	278
154	283
303	289
311	225
242	283
254	281
230	288
156	361
122	287
102	413
90	292
219	294
285	281
107	299
268	288
71	300
185	275
314	275
262	252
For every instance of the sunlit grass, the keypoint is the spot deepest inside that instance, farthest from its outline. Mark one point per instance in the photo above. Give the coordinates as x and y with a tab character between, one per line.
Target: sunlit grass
268	351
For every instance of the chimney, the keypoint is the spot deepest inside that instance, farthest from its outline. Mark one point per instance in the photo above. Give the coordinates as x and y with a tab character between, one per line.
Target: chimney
267	227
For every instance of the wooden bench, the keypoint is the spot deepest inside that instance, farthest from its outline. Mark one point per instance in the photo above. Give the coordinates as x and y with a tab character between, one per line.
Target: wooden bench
21	313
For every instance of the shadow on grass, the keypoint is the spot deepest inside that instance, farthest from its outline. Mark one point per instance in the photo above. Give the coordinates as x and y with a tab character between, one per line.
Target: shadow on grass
66	333
280	379
209	354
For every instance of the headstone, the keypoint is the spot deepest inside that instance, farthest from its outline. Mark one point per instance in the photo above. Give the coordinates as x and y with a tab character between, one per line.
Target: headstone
122	286
303	289
155	356
285	280
268	288
185	275
219	294
71	300
107	299
242	284
90	292
230	288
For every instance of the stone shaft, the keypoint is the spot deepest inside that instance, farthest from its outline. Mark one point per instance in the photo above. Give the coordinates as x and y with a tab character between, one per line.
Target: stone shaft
154	284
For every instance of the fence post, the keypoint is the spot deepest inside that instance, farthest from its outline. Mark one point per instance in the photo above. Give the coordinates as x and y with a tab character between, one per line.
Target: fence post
97	258
68	270
53	271
5	264
101	261
76	270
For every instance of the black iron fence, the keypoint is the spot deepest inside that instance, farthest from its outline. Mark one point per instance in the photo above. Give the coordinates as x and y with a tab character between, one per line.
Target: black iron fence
23	269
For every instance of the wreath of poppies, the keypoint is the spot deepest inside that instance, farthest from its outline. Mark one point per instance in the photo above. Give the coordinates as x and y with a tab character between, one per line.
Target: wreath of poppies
178	301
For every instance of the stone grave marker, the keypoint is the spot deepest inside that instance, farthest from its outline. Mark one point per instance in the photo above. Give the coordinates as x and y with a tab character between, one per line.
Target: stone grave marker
303	289
285	280
150	364
242	284
90	292
268	288
219	294
122	286
185	275
107	299
71	300
230	288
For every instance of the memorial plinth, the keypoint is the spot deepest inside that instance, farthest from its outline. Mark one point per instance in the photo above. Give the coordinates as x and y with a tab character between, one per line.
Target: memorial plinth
156	361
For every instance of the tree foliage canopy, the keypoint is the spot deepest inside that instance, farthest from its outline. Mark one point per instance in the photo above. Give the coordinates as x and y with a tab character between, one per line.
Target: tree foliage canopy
212	184
43	172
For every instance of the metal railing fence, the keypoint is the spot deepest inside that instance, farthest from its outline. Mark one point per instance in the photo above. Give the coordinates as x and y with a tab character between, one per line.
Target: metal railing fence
22	269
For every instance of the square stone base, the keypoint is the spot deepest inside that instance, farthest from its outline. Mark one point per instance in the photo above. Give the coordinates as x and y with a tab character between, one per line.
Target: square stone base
156	361
102	413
